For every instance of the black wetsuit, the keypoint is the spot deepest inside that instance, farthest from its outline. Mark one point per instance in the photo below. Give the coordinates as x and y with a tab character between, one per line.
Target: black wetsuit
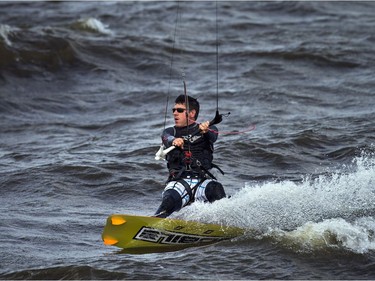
200	146
193	161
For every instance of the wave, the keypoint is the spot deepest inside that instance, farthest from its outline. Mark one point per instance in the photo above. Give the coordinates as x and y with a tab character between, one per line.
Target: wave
43	50
7	31
318	56
357	236
287	209
35	50
92	25
32	53
64	272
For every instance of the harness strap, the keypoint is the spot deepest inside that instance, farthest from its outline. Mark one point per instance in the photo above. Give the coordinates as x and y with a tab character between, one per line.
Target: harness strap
187	188
206	171
190	191
178	176
203	172
217	167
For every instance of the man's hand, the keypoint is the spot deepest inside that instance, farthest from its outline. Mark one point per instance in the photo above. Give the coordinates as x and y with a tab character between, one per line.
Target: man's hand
203	127
178	142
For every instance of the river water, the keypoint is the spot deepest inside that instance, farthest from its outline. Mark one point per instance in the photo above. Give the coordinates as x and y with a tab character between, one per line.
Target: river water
84	87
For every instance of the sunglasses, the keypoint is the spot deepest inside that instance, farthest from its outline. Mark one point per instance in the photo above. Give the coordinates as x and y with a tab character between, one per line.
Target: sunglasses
179	110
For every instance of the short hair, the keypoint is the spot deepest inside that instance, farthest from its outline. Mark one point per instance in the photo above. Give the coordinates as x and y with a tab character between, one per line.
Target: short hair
192	103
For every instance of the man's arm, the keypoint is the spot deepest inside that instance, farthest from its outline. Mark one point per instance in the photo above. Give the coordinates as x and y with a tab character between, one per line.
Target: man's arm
169	139
210	132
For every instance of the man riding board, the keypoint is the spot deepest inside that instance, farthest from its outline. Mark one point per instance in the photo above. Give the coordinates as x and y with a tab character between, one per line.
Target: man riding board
190	162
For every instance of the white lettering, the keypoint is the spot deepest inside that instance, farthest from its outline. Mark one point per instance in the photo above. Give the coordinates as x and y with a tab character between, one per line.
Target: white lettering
167	237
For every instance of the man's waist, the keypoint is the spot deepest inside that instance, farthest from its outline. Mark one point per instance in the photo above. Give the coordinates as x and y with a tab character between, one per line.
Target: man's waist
185	174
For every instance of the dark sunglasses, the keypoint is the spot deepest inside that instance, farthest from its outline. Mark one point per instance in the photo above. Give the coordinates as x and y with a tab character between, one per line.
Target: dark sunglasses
179	110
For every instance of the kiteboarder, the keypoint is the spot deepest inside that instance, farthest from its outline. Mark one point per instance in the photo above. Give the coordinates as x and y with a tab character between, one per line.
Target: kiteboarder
189	164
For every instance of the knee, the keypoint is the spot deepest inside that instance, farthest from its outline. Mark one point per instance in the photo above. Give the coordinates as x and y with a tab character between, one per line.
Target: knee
171	202
214	191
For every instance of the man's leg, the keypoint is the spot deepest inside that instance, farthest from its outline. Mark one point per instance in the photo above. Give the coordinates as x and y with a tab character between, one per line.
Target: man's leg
171	202
214	191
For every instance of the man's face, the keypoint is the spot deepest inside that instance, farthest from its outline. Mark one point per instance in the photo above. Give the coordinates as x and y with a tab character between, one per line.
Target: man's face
179	115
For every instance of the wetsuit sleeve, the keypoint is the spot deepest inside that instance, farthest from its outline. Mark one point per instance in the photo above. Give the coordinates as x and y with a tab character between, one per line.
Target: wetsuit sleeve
168	136
212	134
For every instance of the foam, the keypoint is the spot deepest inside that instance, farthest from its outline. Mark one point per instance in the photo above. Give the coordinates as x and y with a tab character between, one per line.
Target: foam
93	25
5	31
336	206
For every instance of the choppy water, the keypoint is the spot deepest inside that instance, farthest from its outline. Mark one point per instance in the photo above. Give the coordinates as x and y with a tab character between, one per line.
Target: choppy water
83	92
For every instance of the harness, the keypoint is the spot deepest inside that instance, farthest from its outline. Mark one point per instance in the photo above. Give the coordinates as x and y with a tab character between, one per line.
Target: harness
182	164
186	172
190	190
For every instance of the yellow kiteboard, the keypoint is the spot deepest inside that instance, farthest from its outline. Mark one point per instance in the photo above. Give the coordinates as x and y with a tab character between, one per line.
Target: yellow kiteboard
141	234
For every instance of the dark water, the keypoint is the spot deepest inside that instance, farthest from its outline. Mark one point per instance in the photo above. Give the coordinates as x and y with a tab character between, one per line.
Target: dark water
83	92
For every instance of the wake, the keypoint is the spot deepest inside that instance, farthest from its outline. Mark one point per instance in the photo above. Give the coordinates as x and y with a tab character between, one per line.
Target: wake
333	210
